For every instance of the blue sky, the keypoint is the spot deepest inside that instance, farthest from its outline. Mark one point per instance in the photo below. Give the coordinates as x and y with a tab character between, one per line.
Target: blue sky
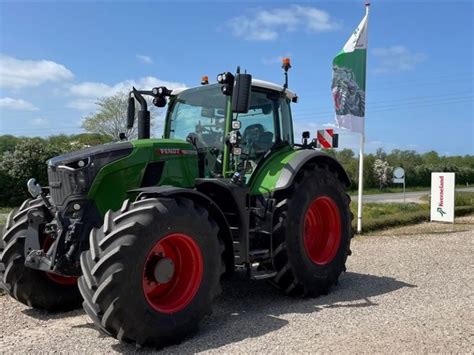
56	58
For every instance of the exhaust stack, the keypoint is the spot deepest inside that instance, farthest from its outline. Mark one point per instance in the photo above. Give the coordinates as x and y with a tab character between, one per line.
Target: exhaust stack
143	113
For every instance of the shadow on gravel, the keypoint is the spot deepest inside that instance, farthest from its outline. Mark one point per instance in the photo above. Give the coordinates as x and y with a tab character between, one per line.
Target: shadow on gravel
45	315
248	309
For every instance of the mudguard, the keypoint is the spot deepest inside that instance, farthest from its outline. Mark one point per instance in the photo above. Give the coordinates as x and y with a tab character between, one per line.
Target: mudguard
279	169
201	199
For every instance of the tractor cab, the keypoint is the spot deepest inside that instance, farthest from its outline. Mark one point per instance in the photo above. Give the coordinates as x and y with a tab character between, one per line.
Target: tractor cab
199	115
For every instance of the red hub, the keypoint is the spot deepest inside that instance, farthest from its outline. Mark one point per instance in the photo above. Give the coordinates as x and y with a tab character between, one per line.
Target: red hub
172	273
59	279
322	230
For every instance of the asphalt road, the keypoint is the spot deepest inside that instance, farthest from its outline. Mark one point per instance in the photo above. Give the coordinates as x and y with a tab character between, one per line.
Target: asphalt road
398	197
406	290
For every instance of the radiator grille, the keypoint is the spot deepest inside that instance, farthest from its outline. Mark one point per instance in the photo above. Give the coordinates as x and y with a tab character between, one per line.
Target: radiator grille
64	182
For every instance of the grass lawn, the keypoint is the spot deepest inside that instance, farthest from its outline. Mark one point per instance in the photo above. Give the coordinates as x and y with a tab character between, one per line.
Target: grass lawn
376	216
4	211
395	189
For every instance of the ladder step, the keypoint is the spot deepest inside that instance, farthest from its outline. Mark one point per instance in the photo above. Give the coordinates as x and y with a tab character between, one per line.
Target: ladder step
263	275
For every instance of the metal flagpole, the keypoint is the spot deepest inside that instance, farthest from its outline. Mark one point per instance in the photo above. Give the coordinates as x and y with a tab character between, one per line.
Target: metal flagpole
361	151
361	183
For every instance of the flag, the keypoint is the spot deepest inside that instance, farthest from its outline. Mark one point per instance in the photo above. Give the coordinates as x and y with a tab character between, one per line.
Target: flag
348	81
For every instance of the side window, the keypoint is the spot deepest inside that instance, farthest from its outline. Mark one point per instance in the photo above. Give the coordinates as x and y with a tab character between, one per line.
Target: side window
286	126
258	126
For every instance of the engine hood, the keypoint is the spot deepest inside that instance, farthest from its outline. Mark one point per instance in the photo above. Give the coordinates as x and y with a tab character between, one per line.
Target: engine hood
104	153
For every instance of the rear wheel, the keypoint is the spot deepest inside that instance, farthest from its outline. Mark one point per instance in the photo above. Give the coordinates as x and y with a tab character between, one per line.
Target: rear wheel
34	288
152	271
312	233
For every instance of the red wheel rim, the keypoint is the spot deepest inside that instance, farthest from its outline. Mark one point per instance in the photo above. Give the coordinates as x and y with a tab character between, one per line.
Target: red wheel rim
176	293
59	279
322	230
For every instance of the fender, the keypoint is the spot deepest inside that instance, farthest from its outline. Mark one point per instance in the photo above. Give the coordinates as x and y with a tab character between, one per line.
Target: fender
279	169
305	156
202	200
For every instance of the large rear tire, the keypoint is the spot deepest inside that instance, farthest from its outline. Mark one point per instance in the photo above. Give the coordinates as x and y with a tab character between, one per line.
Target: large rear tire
312	233
34	288
152	271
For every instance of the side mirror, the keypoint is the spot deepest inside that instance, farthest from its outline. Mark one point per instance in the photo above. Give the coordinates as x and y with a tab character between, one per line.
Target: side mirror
241	93
130	112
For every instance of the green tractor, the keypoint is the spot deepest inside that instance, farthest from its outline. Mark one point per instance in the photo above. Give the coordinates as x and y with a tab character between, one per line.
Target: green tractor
140	232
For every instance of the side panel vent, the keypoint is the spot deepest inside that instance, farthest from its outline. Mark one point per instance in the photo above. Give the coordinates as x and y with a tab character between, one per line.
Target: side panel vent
153	174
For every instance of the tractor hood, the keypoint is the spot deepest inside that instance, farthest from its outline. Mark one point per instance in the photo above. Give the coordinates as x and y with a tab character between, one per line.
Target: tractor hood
72	174
104	154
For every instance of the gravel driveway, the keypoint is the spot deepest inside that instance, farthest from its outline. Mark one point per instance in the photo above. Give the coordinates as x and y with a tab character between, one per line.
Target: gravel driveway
407	289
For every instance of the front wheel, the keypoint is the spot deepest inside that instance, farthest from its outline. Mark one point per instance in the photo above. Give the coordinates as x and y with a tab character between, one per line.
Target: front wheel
35	288
312	233
152	271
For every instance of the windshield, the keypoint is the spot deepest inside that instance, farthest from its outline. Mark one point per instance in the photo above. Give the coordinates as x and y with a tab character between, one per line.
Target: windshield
201	111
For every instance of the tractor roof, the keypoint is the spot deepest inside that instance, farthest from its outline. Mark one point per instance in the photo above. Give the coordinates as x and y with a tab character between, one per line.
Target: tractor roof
255	82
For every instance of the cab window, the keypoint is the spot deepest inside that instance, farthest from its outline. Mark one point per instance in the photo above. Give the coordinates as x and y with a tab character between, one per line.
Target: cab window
258	126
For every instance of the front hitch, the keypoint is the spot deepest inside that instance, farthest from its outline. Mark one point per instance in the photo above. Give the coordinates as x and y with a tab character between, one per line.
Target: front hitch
36	190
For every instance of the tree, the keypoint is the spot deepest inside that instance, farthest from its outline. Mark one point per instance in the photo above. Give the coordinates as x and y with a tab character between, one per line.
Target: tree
26	161
8	143
380	154
111	117
383	172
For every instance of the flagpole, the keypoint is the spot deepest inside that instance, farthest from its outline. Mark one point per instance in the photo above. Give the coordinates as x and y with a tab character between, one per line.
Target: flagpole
361	183
361	157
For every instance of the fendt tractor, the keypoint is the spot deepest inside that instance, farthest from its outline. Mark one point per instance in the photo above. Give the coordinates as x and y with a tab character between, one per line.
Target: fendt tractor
140	232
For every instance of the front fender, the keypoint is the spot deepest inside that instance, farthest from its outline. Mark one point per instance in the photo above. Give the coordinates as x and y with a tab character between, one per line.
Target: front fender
214	211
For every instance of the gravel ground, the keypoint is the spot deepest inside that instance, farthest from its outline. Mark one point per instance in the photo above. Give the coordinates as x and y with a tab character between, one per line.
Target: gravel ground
407	290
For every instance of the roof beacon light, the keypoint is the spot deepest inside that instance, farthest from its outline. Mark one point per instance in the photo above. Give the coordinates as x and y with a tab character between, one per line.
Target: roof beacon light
285	64
205	80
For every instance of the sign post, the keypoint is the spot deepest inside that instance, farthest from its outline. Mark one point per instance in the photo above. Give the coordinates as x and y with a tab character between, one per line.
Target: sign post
399	178
442	197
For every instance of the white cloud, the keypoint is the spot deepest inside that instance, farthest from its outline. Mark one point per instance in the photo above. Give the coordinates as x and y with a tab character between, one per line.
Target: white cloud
396	59
83	104
87	93
18	73
144	59
92	89
8	103
39	122
266	25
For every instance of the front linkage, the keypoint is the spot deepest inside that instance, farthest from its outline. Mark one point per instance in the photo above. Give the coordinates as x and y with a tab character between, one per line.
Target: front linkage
55	238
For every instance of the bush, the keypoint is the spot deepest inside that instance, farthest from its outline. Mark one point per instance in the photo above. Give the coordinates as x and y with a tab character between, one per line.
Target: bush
24	158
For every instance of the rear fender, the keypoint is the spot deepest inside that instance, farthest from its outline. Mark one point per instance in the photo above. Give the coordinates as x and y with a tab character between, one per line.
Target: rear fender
309	156
280	169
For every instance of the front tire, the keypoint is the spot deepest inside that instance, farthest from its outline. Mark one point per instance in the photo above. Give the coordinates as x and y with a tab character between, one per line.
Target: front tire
34	288
312	233
152	271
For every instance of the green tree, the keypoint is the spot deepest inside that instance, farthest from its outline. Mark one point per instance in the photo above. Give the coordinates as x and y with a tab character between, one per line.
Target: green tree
8	143
111	117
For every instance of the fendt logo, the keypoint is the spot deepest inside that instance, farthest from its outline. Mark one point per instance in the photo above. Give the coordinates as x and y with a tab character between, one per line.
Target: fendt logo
173	151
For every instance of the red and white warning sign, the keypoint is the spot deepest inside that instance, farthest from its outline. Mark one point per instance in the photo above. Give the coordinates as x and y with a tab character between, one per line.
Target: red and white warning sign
327	138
